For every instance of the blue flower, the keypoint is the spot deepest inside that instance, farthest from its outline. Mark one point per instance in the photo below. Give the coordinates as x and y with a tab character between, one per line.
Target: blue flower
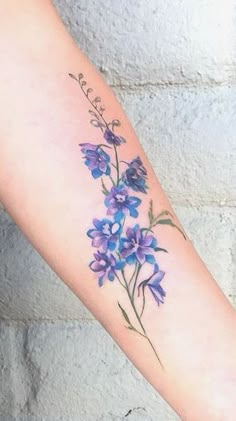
119	203
96	159
105	234
105	265
137	246
153	283
113	139
135	176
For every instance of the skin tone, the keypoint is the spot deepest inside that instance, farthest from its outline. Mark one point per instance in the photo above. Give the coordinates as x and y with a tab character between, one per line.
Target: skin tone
49	192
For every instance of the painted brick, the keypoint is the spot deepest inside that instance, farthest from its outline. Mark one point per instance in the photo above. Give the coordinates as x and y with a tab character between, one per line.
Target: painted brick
189	137
74	371
139	42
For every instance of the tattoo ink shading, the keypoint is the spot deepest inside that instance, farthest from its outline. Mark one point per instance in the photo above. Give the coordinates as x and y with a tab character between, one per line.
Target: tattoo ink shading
123	248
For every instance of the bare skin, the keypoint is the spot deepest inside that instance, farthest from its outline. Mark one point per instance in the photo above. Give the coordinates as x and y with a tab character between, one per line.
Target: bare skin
47	189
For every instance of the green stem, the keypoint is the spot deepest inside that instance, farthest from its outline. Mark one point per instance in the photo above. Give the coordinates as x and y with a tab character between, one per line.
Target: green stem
117	165
143	306
113	182
152	346
132	277
123	224
135	281
107	126
94	106
124	286
104	146
138	318
105	190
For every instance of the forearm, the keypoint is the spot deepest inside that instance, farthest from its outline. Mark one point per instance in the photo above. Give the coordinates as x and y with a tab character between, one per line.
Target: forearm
186	346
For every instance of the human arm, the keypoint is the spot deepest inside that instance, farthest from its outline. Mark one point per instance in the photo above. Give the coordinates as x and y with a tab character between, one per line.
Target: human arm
43	168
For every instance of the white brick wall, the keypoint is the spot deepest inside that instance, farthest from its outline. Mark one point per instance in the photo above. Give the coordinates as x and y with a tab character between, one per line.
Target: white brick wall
172	65
160	41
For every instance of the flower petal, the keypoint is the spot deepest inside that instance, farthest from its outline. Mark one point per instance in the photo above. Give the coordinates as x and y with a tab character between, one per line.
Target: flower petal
115	228
120	264
96	173
100	240
100	280
131	259
156	278
132	212
96	266
140	256
111	275
158	293
150	259
147	240
134	201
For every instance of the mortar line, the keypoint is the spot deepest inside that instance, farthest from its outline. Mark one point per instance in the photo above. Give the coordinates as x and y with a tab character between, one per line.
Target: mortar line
230	82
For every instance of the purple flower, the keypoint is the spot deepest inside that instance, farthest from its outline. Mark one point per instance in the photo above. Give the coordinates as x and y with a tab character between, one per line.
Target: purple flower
113	139
96	159
105	266
105	234
135	176
138	246
153	283
119	203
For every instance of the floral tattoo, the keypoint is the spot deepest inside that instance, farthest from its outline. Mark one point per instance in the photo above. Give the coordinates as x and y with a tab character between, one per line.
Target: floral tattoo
122	247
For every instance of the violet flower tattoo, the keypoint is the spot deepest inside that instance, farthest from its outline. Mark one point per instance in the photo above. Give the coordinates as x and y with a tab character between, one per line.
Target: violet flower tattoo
122	247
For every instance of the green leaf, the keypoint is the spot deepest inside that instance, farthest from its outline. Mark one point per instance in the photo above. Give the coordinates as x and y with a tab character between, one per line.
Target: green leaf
160	249
125	315
150	213
170	223
73	76
131	328
146	229
163	213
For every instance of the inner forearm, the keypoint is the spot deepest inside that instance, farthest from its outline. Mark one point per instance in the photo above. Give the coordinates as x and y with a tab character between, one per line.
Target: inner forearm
74	177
